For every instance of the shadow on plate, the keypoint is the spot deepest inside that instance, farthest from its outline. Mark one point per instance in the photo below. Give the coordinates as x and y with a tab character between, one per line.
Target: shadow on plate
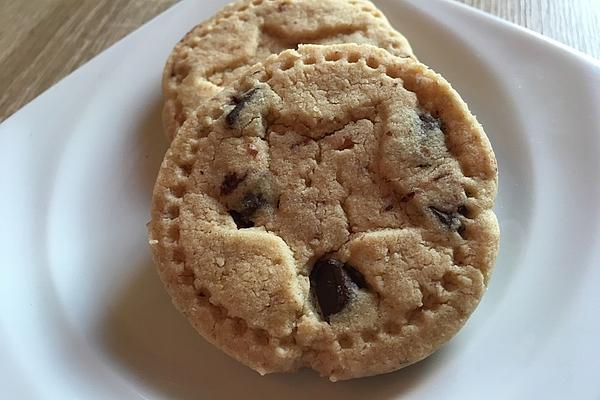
149	145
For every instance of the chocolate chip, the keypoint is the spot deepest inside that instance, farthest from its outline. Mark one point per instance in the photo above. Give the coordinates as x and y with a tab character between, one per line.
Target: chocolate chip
464	211
429	122
447	218
241	220
231	182
331	281
356	276
328	281
250	203
240	103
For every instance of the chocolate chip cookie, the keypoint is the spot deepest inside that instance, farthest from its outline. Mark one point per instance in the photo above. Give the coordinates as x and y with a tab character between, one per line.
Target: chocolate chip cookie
332	210
221	49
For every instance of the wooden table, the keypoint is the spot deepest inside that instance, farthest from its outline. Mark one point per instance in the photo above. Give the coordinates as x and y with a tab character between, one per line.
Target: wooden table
41	41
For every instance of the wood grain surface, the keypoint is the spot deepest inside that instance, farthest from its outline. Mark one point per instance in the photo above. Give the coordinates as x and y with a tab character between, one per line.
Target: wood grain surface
42	41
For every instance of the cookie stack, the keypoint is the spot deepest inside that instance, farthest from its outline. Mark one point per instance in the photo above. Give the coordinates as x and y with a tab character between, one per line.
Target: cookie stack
326	200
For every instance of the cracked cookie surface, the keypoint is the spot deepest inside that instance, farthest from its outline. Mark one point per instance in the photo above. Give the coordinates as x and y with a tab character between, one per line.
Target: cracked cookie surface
332	210
220	50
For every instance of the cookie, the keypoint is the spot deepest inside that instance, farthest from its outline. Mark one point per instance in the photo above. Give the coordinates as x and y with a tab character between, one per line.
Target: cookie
331	210
222	49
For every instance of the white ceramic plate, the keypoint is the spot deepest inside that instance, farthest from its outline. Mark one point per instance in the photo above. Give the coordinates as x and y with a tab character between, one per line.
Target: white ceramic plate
83	314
